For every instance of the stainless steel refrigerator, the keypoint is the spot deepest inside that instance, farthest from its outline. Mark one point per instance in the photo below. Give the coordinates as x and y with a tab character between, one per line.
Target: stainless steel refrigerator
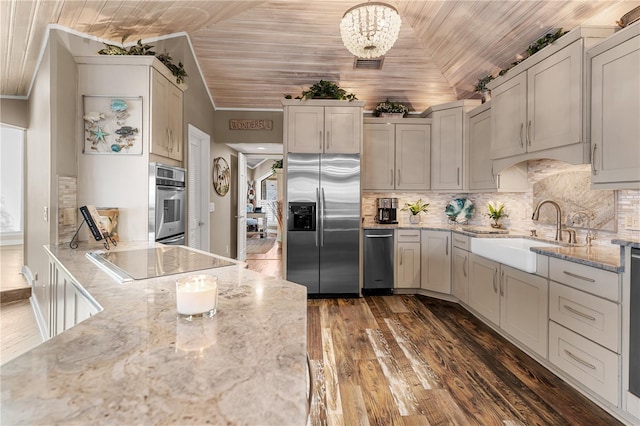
323	223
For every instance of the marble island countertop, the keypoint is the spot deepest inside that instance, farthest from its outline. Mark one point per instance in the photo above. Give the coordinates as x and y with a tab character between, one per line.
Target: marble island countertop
607	257
135	362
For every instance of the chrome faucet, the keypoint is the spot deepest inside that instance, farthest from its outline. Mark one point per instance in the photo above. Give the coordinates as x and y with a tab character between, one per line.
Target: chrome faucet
536	214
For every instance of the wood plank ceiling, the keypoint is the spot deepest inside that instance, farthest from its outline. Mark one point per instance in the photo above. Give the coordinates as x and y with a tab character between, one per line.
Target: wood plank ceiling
252	53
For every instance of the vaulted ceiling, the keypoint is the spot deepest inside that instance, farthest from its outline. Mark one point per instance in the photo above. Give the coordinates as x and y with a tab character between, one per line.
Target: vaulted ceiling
252	53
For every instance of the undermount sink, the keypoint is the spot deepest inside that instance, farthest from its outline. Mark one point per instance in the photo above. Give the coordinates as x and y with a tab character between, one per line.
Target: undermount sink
513	252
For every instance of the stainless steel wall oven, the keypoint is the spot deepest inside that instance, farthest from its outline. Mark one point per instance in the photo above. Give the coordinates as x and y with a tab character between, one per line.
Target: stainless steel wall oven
167	204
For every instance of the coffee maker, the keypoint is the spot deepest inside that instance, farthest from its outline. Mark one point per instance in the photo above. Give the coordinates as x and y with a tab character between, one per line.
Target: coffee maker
386	210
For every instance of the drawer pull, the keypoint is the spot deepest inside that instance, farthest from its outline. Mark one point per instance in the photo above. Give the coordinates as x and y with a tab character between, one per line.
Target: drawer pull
458	241
591	280
575	311
581	361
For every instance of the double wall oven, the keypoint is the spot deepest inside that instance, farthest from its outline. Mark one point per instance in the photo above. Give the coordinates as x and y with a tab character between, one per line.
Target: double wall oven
167	204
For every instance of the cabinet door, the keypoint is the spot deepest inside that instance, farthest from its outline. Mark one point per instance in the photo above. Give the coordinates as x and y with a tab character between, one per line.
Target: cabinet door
436	261
159	137
378	157
554	104
342	130
412	156
305	129
615	108
446	149
483	288
176	142
460	274
480	165
508	117
408	265
524	308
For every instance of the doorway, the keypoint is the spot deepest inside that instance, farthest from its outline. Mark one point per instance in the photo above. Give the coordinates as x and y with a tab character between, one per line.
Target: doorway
198	189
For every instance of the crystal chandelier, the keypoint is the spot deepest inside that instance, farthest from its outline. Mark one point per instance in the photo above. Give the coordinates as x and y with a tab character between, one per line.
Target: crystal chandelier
369	30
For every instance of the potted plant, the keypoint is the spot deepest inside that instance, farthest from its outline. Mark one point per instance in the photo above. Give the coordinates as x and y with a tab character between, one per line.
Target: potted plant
145	50
415	209
325	90
496	212
277	165
391	109
481	87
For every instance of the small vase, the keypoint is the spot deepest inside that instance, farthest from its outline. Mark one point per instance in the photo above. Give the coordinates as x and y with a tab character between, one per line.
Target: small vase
496	225
391	114
414	219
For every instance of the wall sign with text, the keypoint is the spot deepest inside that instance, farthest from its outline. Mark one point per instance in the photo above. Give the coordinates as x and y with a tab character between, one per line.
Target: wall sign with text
237	124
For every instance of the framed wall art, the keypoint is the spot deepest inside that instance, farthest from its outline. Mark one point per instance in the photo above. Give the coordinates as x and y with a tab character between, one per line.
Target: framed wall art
112	125
221	174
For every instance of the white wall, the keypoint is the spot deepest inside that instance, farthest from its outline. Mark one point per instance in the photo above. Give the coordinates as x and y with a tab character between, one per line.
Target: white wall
120	181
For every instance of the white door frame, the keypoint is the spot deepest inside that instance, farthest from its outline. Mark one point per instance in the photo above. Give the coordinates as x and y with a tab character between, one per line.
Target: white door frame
242	208
200	182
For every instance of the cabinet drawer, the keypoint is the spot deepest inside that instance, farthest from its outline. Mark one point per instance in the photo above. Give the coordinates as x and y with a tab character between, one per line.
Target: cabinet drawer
408	235
595	318
589	363
586	278
461	241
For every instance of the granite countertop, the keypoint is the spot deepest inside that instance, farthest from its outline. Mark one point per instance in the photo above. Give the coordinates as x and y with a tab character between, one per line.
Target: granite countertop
603	257
135	362
633	243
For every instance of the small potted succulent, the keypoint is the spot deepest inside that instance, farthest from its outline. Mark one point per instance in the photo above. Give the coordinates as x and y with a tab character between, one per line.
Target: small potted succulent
391	109
415	209
496	212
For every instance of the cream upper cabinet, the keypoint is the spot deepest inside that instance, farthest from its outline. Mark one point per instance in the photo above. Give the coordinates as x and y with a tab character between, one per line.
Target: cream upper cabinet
447	144
436	261
166	117
332	127
615	110
481	174
538	108
396	155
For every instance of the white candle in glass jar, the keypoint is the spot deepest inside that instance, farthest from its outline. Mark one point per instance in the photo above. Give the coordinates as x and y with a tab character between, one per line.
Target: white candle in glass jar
197	294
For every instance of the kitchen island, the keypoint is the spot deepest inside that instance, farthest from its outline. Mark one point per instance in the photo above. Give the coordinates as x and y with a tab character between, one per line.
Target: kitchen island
135	362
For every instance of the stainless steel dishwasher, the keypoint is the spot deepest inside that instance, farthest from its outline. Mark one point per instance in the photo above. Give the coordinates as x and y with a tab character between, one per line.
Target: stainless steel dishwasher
378	261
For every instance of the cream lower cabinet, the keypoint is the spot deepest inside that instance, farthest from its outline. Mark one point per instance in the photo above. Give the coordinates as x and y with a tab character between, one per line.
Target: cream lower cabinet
436	261
460	272
407	258
615	108
585	326
484	292
396	156
62	305
524	308
514	300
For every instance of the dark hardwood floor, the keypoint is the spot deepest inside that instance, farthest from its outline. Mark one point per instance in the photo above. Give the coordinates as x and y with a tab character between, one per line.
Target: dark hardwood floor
413	360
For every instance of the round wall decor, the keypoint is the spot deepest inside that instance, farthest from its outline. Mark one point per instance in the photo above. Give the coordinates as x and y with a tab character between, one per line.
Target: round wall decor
221	176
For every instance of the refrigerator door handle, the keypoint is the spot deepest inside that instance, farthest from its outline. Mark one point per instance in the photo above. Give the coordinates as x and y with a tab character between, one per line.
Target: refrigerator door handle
322	220
317	214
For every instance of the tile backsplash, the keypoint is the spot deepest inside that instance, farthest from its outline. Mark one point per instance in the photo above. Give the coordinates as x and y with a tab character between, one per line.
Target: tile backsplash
519	206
